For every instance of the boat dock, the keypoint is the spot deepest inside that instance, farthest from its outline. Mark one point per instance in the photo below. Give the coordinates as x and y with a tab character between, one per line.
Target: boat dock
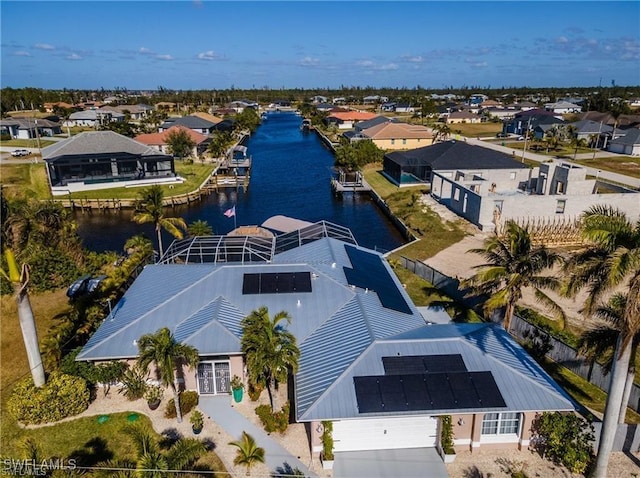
351	182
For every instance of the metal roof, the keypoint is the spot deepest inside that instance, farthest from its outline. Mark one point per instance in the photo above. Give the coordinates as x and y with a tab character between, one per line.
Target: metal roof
524	385
97	142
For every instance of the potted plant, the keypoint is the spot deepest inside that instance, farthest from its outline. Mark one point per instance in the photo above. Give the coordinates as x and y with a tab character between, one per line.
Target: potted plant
447	449
197	421
153	395
326	457
237	387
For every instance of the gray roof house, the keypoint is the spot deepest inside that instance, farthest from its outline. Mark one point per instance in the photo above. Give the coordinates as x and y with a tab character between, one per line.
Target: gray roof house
370	362
627	144
104	159
197	124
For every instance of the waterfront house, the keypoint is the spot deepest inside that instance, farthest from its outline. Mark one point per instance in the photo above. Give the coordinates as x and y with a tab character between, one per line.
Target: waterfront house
192	122
447	157
395	135
104	159
370	362
348	119
159	140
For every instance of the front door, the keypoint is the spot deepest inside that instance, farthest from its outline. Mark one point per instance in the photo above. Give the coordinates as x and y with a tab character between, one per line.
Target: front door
213	378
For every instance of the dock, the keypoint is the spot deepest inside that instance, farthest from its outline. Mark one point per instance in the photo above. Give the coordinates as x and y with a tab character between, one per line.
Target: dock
357	186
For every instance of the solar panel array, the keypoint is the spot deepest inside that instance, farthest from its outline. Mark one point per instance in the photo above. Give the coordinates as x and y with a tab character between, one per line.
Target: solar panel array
409	364
369	272
276	283
427	391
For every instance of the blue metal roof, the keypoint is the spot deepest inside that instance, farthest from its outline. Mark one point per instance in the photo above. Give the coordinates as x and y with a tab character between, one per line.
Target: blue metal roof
524	385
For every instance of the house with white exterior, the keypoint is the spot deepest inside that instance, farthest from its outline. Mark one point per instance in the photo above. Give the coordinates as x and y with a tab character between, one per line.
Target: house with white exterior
370	362
563	107
627	144
102	160
29	128
552	191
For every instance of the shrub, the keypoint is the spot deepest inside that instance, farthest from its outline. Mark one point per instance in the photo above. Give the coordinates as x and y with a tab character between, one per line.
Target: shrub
327	441
254	391
446	435
153	393
62	396
134	383
564	439
188	400
197	420
274	422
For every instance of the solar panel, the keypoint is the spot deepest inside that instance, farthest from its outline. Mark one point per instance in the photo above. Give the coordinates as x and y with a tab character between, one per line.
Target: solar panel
276	283
429	391
444	363
487	390
369	272
410	364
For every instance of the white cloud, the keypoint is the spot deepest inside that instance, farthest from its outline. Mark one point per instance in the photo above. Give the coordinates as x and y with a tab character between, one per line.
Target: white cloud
22	53
164	57
74	56
366	63
387	67
145	51
44	46
308	61
208	55
562	39
413	59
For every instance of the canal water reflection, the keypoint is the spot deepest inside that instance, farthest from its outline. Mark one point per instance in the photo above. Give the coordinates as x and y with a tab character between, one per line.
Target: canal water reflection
290	176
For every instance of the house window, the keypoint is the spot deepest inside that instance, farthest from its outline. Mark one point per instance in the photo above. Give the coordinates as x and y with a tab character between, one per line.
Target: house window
404	141
560	204
501	424
456	195
393	141
512	175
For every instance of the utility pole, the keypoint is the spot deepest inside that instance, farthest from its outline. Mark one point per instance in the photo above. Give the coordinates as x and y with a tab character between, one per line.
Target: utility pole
526	137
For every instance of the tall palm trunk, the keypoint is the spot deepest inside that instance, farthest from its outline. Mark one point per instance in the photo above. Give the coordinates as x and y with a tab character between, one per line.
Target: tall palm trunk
631	375
508	316
272	394
612	409
29	334
159	232
176	401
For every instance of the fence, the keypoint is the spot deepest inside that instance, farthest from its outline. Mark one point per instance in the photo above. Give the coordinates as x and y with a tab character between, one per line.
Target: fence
556	349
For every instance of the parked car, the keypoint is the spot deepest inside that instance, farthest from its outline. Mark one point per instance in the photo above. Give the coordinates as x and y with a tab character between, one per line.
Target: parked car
79	287
20	152
501	135
94	283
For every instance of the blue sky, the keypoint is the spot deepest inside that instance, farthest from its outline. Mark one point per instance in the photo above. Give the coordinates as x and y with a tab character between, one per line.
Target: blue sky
307	44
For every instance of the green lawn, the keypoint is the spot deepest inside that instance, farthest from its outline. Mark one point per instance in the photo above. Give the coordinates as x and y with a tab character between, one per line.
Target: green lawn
628	165
84	438
27	143
25	180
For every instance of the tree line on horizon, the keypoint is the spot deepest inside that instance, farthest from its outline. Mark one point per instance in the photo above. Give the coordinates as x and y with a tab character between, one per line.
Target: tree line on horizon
13	99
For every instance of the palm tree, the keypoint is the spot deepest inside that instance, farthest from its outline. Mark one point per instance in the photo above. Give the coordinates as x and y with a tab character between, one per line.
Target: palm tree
249	453
163	349
154	461
442	132
270	349
20	281
513	263
199	228
149	209
599	343
611	260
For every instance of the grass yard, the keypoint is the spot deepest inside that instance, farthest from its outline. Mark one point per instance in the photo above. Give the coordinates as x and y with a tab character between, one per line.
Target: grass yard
424	223
86	439
25	180
475	130
582	391
627	165
195	174
27	143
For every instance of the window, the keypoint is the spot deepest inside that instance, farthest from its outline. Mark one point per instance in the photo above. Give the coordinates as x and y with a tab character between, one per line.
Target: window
560	204
501	424
393	141
404	141
456	195
512	175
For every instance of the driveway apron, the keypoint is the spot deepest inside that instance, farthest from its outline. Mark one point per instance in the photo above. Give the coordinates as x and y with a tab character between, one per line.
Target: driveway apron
401	463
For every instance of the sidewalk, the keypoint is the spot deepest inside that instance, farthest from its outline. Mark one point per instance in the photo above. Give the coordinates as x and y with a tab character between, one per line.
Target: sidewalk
220	411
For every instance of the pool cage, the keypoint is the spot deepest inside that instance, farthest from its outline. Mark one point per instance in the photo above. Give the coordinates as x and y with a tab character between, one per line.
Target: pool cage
246	249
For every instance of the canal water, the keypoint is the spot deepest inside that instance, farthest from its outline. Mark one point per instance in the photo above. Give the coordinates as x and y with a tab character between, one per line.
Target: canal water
290	175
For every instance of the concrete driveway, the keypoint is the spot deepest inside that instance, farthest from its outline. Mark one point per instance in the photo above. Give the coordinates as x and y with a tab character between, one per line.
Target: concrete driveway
402	463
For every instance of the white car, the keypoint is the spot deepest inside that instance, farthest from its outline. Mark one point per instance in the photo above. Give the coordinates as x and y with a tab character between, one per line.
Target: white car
20	152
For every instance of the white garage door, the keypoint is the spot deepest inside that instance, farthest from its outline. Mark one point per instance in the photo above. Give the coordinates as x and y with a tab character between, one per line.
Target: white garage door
384	433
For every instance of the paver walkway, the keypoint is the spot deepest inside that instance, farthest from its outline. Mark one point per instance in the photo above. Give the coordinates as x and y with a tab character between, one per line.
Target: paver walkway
219	409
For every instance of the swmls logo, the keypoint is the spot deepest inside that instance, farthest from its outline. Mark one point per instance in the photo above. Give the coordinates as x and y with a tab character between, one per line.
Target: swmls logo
15	467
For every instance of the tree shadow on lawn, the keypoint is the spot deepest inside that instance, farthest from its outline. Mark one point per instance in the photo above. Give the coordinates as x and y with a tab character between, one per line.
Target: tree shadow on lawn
94	452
